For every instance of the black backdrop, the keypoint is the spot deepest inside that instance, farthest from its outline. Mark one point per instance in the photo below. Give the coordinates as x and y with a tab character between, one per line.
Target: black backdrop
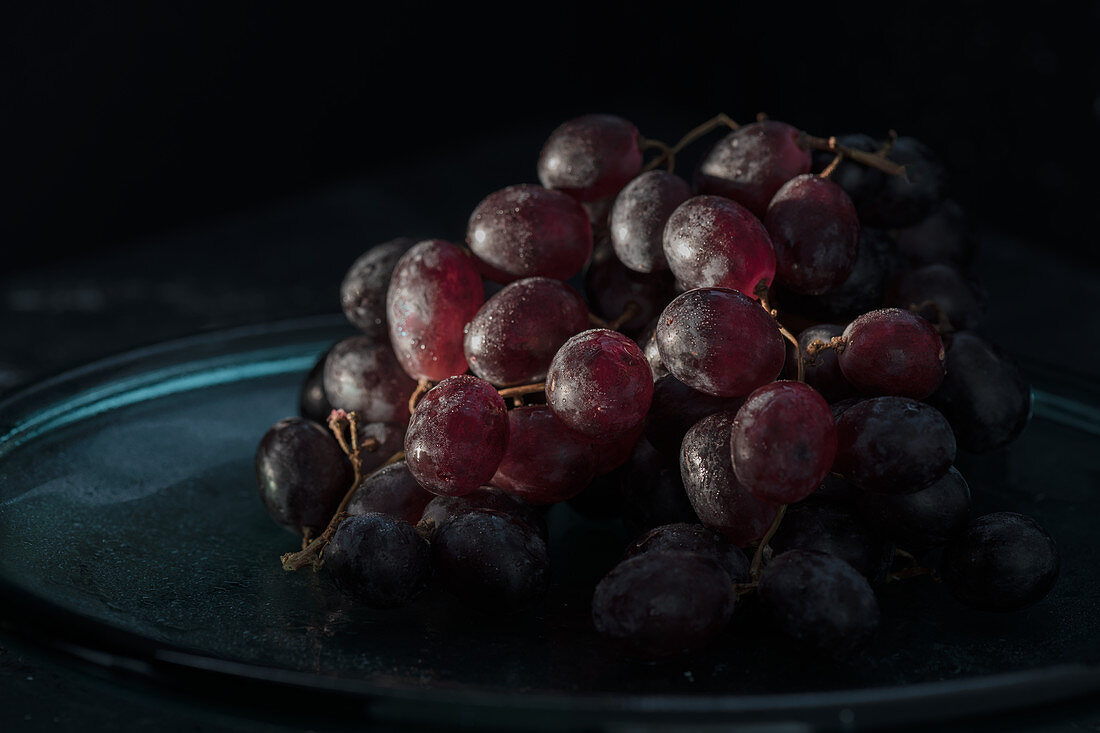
120	123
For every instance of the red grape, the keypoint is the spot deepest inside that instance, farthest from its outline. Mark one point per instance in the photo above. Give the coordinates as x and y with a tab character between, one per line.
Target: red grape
599	384
814	229
783	442
363	375
529	231
750	164
710	241
434	292
545	462
721	342
457	436
892	352
516	333
590	157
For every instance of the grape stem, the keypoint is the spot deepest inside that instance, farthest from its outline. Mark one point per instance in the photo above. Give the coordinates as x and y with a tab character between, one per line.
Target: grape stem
666	153
874	160
758	556
762	293
345	426
522	390
827	173
422	387
719	120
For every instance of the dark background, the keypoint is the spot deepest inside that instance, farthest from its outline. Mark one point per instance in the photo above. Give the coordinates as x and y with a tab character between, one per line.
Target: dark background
121	123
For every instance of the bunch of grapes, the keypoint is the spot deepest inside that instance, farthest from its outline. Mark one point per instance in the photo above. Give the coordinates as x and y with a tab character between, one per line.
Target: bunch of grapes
765	372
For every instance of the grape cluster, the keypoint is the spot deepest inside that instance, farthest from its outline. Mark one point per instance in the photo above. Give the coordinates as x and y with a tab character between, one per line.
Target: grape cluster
765	372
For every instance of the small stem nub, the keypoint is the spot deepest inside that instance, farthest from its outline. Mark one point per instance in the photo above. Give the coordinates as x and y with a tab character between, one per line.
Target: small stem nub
815	347
835	163
758	556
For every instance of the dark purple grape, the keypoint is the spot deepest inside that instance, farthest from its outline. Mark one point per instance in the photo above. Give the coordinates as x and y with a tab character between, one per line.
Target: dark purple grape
893	445
934	288
697	539
892	352
590	157
652	491
302	474
676	407
492	561
712	242
706	468
392	491
434	292
1001	562
814	229
545	462
363	290
719	341
859	181
442	509
922	520
516	333
863	290
822	369
599	385
379	561
835	529
750	164
783	442
984	395
904	200
639	215
662	604
819	600
364	375
529	231
457	436
312	402
943	236
611	286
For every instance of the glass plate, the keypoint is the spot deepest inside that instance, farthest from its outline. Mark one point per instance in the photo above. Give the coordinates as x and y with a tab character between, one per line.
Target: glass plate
132	535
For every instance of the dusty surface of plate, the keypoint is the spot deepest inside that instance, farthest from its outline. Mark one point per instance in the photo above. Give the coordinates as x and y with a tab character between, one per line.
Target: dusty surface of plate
127	499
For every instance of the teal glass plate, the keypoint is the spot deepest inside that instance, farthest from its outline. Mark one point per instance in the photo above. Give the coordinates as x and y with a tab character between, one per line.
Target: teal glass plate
132	535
